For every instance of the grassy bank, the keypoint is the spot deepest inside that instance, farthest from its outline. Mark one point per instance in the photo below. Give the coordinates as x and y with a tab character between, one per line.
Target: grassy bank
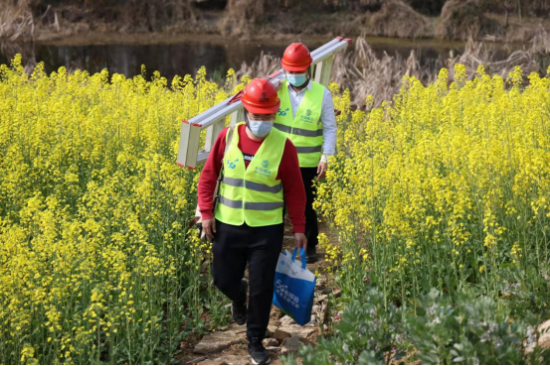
45	20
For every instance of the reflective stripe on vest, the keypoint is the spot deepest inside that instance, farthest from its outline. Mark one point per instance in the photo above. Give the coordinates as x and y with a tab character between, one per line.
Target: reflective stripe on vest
251	205
305	130
298	131
236	182
307	149
252	195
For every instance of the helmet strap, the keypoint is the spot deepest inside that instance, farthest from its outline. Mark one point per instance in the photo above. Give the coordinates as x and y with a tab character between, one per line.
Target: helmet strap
307	82
246	120
308	78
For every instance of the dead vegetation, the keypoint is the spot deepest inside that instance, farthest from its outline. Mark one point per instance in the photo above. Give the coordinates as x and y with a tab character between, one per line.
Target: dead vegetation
241	17
265	65
465	19
493	20
397	19
22	19
159	14
364	73
16	19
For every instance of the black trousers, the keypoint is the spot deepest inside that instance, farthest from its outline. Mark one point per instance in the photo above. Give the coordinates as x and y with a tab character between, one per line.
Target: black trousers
233	248
309	176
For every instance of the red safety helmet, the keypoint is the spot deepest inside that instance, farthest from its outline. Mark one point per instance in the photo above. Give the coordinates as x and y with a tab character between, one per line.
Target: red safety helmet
260	97
296	58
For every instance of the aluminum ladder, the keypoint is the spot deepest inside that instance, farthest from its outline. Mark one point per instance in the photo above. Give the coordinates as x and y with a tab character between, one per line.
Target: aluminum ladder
213	120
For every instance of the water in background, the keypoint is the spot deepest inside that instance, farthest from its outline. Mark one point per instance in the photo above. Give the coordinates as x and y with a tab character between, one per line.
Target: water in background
187	58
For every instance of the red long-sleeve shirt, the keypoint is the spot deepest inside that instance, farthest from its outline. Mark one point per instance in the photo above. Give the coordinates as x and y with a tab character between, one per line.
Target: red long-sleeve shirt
289	174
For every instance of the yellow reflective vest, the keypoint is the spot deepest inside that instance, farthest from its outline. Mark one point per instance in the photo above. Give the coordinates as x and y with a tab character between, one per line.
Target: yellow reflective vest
253	196
305	129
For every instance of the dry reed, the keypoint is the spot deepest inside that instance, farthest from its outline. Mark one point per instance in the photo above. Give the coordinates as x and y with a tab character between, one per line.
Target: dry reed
464	19
16	21
364	73
397	19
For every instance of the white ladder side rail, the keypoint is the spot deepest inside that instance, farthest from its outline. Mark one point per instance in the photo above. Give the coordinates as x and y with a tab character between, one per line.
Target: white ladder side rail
213	119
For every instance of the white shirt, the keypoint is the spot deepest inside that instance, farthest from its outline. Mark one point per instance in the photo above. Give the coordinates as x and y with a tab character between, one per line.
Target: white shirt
327	116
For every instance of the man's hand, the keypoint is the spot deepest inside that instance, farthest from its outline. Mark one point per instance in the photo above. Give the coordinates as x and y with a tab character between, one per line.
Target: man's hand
209	227
321	170
277	83
301	240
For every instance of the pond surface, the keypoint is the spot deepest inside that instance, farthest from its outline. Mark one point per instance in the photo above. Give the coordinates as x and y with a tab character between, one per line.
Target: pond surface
186	57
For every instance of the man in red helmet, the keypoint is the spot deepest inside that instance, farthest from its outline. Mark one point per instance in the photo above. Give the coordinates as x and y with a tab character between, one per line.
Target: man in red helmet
260	166
306	115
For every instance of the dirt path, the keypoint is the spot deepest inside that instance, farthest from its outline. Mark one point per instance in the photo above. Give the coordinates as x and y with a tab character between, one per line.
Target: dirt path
229	346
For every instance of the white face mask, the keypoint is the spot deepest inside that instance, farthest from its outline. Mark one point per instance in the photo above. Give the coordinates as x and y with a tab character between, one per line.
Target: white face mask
260	128
296	79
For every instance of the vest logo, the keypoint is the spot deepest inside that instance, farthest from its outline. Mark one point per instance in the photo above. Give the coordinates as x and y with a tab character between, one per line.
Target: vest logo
263	171
232	164
306	117
282	113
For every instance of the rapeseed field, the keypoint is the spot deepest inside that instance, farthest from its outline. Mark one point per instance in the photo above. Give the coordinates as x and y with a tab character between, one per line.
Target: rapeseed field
440	200
96	262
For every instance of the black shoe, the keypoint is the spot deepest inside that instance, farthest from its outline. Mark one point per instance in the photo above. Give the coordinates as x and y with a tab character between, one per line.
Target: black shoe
258	353
238	308
311	254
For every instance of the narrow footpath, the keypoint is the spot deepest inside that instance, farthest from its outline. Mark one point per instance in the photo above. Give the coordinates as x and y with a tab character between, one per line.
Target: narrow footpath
284	335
